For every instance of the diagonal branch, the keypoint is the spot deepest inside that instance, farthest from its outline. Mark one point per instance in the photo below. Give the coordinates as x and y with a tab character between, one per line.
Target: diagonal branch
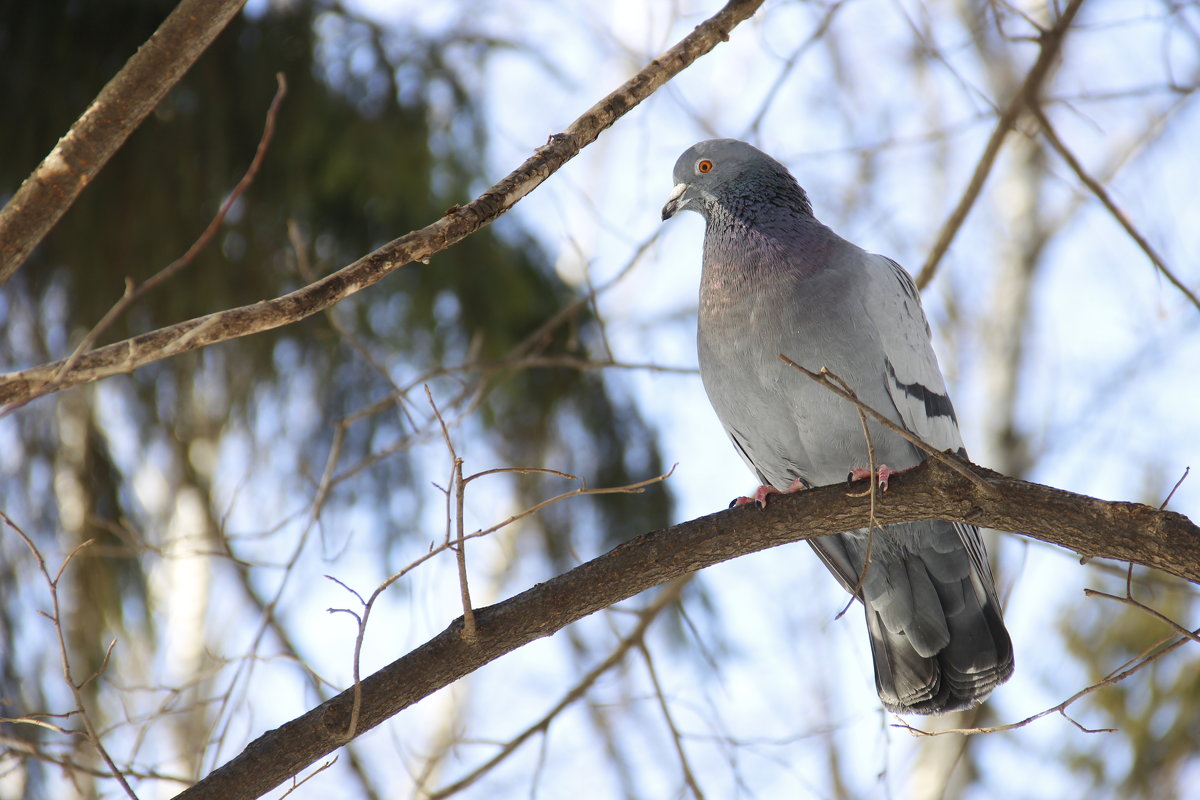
635	638
835	384
116	112
1094	528
458	223
1106	200
1027	95
134	293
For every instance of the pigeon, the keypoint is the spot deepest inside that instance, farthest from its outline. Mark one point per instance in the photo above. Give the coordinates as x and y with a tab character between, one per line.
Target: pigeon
776	281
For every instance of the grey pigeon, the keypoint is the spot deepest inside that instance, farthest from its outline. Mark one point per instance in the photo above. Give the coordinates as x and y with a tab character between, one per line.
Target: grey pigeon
775	280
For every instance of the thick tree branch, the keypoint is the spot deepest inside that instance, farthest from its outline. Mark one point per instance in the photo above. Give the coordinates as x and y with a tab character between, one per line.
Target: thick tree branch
116	112
1094	528
458	223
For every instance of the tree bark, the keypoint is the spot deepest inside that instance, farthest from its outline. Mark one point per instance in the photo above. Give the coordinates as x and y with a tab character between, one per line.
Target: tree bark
116	112
1093	528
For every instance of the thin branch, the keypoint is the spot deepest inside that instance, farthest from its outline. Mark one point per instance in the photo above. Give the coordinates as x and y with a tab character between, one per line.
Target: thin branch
676	738
459	545
872	485
132	294
1106	200
28	749
831	382
116	112
356	690
92	735
269	622
1175	488
1158	615
646	616
296	784
1026	96
458	223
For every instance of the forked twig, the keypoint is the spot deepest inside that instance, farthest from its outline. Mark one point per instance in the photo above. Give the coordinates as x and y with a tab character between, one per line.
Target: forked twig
90	732
459	546
456	543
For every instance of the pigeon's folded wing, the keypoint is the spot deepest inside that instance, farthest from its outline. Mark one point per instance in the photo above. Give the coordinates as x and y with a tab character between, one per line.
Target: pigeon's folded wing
910	369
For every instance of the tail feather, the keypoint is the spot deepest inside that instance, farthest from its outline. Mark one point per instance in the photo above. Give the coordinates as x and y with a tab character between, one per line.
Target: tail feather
977	658
937	635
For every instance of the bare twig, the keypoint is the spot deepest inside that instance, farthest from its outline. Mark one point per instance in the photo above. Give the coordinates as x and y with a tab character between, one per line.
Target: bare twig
68	764
115	113
132	294
669	594
688	776
629	488
1026	96
1175	488
872	485
1128	599
455	225
296	784
55	616
831	382
459	545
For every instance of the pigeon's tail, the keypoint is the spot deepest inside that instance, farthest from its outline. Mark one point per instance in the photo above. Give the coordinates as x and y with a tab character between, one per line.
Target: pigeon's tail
919	674
960	676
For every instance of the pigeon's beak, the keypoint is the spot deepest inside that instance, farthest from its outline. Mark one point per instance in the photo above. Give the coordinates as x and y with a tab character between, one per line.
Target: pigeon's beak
675	201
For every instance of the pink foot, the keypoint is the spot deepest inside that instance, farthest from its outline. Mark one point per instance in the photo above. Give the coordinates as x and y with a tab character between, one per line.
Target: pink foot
884	472
763	492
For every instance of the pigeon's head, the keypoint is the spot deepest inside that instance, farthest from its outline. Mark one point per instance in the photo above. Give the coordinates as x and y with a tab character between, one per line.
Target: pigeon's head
719	172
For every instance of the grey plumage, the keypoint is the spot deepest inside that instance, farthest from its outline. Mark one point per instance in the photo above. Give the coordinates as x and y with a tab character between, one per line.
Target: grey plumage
775	280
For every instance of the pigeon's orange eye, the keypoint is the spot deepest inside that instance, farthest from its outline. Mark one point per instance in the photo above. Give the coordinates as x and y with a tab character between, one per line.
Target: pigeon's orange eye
704	165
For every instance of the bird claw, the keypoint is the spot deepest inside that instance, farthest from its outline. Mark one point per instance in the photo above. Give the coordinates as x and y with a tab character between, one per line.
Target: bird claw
884	472
761	494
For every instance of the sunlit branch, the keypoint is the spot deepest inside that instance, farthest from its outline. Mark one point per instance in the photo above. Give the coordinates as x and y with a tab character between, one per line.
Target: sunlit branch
116	112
